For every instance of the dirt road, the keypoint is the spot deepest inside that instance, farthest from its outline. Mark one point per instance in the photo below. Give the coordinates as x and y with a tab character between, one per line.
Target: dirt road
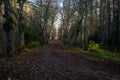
54	63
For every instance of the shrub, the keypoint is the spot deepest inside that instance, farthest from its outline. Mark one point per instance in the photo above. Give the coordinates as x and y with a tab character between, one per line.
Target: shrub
25	50
34	44
94	46
22	49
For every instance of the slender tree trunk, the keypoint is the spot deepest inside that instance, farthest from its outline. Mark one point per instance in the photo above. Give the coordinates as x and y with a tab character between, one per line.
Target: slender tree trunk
65	37
52	23
81	37
76	35
10	42
91	15
113	24
119	23
85	29
41	36
21	25
77	30
8	28
46	16
80	11
101	23
109	20
21	36
85	35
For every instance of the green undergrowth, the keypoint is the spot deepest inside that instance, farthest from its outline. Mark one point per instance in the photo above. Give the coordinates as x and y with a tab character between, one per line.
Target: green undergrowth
103	54
34	44
31	46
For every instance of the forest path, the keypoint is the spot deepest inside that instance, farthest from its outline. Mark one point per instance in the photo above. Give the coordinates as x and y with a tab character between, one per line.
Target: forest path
55	63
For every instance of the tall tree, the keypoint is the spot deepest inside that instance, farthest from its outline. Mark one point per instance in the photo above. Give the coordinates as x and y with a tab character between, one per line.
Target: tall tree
109	19
8	27
119	20
21	23
101	22
85	26
46	17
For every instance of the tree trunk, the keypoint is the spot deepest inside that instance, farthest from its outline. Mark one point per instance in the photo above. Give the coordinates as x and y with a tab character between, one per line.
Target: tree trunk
46	17
10	43
21	25
109	21
8	28
113	24
119	23
65	37
101	23
91	17
21	36
77	30
85	35
85	28
41	36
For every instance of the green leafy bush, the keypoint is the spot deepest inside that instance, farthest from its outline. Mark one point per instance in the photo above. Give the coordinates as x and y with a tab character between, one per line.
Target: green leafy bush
98	50
95	47
34	44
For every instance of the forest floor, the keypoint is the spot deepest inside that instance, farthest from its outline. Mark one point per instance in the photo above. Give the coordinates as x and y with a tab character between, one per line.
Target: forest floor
57	62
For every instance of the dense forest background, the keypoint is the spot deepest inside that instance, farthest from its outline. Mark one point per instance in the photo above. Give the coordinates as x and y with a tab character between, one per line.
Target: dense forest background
81	23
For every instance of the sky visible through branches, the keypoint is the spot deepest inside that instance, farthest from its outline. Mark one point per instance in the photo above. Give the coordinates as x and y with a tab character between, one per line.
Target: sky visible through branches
58	16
